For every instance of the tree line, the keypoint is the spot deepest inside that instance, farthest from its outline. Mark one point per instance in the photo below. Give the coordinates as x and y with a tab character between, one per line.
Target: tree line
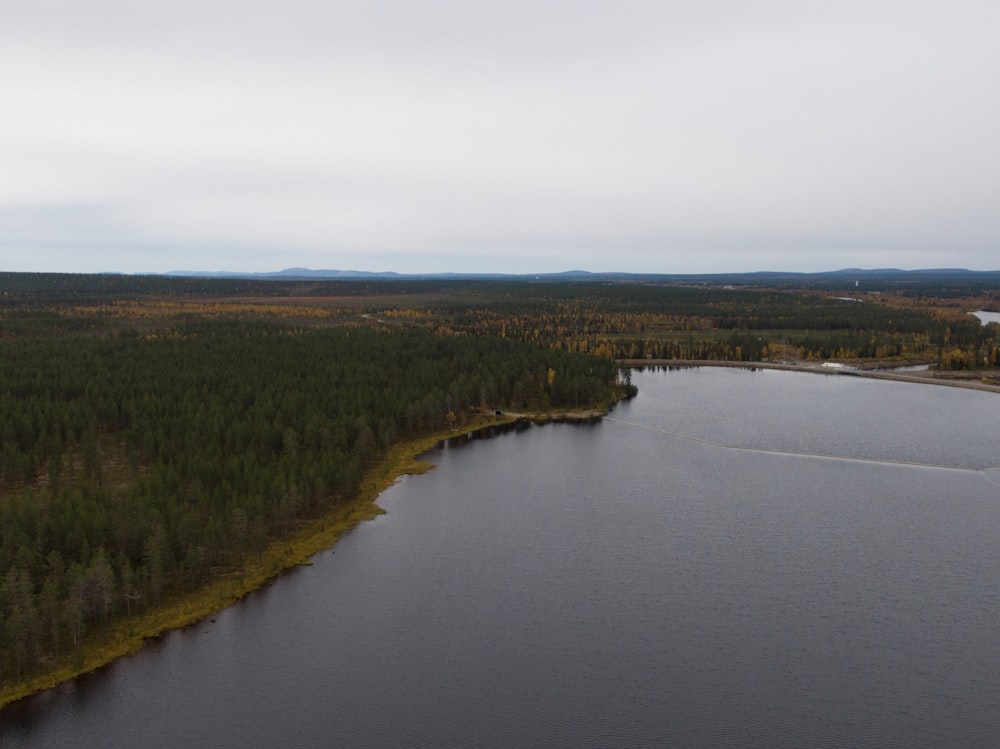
628	321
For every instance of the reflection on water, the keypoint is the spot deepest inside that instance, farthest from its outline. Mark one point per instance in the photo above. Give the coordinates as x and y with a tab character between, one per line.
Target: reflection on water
465	437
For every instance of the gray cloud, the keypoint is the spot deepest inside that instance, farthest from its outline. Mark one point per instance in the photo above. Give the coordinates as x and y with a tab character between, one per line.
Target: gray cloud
656	136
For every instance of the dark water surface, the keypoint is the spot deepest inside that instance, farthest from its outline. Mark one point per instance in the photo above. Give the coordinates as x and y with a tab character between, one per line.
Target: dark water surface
617	585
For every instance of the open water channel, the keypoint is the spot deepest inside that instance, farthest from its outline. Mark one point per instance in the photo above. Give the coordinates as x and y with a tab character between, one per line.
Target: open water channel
734	558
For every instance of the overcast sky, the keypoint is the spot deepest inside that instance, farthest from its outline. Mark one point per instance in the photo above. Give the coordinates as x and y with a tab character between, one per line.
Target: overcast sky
516	136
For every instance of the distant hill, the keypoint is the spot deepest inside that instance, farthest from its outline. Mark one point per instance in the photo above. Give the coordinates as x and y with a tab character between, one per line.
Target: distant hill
287	274
866	279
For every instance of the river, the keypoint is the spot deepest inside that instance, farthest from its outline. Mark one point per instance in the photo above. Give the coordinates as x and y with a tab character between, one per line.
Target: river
987	317
733	558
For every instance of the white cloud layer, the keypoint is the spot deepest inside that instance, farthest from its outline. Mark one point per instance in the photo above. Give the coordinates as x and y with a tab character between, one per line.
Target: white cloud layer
519	136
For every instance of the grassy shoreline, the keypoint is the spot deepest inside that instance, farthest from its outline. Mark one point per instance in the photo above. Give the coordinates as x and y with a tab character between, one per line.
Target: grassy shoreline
126	637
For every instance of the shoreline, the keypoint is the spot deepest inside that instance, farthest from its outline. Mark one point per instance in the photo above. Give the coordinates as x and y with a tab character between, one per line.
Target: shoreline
915	377
129	636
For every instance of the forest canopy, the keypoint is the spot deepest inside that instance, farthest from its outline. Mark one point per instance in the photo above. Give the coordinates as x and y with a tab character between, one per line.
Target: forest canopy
134	467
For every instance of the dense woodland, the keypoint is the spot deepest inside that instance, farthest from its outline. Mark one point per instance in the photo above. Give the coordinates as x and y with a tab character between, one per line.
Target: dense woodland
643	321
158	433
134	467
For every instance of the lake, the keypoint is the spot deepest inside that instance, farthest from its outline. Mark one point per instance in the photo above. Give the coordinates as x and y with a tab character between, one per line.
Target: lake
735	557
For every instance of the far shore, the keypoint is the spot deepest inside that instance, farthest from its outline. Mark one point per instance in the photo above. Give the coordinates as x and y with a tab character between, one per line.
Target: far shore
952	379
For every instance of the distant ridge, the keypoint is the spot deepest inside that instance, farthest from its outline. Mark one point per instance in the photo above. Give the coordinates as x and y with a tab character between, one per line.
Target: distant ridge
310	273
871	279
287	273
